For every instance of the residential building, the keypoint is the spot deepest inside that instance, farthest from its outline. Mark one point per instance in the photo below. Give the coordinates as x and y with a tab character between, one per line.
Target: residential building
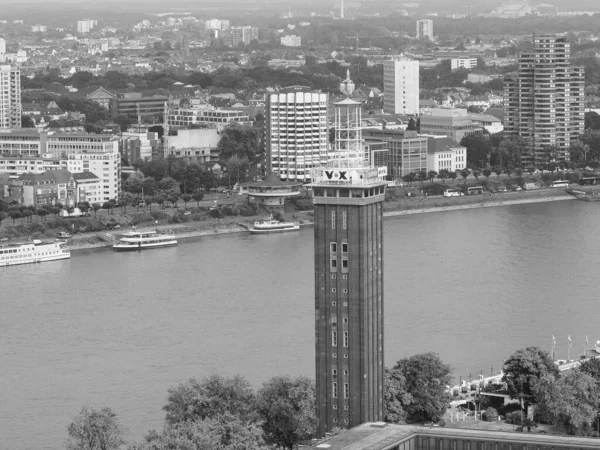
401	86
10	101
291	41
297	133
2	46
47	188
19	164
463	63
445	154
193	145
242	35
205	115
86	25
407	150
388	436
88	188
425	29
544	101
62	145
216	24
348	214
24	141
138	145
477	77
39	28
454	123
103	159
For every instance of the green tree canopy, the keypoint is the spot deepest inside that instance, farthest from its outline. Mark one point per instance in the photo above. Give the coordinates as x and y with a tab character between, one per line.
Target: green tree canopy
95	429
212	396
478	148
396	398
426	377
524	368
287	406
570	400
592	120
240	141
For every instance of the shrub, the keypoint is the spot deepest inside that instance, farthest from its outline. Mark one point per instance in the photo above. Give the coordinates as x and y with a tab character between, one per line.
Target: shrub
490	415
515	417
435	189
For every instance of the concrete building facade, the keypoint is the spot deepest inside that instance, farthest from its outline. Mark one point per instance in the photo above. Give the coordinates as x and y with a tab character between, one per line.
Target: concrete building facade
297	134
425	29
10	100
463	63
401	86
544	101
453	123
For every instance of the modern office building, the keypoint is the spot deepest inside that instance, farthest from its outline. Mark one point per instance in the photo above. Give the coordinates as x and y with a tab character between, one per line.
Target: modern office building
544	101
10	100
463	63
407	151
454	123
134	105
386	436
291	40
86	25
348	212
297	134
401	86
425	29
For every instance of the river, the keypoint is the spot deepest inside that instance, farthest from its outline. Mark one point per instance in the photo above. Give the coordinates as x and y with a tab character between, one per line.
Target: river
117	329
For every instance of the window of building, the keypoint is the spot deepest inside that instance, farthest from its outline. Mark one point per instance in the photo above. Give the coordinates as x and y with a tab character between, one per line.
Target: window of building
344	277
334	406
344	220
345	320
334	338
345	355
333	303
333	290
334	355
346	390
333	247
333	277
345	291
335	392
344	247
333	220
334	371
333	264
345	339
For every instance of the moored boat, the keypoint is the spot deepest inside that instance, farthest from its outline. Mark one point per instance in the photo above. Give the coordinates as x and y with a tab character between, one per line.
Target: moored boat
271	225
32	252
140	240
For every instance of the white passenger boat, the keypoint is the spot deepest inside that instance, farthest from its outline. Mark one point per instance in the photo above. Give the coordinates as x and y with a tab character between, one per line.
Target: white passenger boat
32	252
139	240
271	225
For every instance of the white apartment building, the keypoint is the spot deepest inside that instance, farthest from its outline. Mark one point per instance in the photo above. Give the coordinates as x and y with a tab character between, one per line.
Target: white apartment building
146	142
463	63
425	29
401	86
2	46
105	164
296	132
86	25
17	165
445	154
10	97
216	24
205	115
39	28
291	41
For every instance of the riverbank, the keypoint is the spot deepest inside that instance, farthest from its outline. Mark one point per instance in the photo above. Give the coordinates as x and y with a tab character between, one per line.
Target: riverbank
392	209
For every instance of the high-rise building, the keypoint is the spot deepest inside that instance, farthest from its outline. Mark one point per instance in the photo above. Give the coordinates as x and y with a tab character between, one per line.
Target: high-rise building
243	35
2	46
544	101
401	86
348	212
297	134
86	25
425	29
10	101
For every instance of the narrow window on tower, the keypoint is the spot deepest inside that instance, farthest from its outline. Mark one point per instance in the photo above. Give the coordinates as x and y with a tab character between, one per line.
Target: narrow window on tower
334	338
344	220
333	220
334	389
346	390
333	247
345	339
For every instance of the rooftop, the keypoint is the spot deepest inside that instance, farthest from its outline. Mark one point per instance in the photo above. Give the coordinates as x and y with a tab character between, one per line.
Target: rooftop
383	436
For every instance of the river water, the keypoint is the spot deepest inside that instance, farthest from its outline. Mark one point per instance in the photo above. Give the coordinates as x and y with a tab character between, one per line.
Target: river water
117	329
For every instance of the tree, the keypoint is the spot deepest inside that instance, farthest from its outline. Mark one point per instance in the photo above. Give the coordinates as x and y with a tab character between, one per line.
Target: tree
108	206
208	398
14	215
173	198
426	377
2	217
523	369
478	148
186	198
579	150
134	182
570	400
592	120
96	207
27	122
168	186
431	175
487	173
149	200
464	173
396	399
224	432
191	178
95	429
592	368
240	141
198	196
412	124
287	406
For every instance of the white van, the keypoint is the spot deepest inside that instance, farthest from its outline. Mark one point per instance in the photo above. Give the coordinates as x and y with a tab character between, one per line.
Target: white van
452	193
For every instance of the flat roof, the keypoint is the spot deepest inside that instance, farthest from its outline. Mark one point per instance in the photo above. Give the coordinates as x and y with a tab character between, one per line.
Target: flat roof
385	436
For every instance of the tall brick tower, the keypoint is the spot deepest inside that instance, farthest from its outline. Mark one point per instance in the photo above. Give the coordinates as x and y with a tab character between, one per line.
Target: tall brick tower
348	197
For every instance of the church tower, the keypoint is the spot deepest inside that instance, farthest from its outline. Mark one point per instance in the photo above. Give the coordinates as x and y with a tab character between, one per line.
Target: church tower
348	213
